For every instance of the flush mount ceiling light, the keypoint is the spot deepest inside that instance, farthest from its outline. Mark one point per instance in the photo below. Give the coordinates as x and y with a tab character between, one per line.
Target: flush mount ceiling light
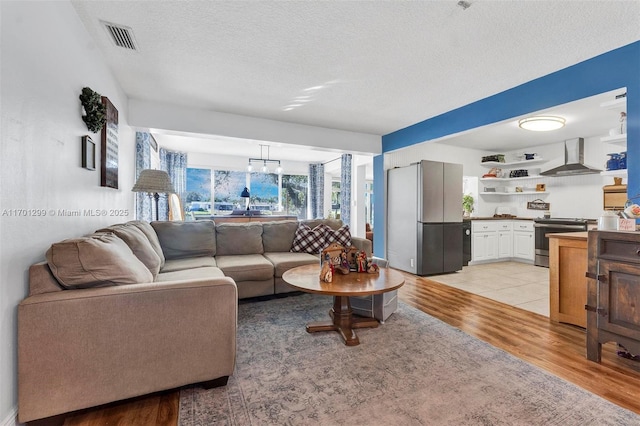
264	161
542	123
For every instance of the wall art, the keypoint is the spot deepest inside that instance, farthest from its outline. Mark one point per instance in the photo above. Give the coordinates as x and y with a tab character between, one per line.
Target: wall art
109	150
88	153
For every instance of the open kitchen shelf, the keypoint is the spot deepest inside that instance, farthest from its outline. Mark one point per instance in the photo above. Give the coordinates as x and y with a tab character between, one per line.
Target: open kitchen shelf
516	193
620	173
616	104
615	139
514	164
511	179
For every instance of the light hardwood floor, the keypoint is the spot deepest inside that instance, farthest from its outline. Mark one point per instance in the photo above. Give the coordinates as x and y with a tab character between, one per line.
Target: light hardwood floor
556	348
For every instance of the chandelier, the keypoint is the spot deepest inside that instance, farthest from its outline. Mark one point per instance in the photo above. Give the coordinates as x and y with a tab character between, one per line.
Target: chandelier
264	161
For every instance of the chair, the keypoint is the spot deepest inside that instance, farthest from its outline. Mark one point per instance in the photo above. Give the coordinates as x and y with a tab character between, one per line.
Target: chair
378	306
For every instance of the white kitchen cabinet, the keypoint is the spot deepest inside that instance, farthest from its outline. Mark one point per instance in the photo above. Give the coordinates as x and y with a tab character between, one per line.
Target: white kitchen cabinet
523	240
484	243
505	239
501	239
484	246
505	244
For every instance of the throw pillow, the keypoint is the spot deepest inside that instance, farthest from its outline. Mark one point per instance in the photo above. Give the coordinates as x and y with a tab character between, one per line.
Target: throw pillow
340	236
96	261
139	245
148	230
309	240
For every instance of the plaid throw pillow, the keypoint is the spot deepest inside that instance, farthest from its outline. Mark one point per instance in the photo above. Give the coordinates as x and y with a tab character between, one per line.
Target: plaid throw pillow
340	236
309	240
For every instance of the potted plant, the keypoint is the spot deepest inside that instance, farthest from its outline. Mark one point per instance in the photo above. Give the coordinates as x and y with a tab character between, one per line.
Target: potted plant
467	205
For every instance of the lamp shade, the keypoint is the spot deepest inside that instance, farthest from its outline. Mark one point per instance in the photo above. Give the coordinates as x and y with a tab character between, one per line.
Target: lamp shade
153	181
245	193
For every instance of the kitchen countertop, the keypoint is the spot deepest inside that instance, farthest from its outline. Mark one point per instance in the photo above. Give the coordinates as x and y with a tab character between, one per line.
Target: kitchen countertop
582	236
499	218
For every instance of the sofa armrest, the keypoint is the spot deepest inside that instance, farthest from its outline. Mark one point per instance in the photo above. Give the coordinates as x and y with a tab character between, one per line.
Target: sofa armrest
82	348
362	244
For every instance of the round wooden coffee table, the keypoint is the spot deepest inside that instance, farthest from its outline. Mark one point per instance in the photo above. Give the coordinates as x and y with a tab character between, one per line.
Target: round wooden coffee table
307	279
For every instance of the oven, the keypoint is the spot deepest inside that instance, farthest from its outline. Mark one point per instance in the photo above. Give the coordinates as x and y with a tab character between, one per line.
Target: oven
549	226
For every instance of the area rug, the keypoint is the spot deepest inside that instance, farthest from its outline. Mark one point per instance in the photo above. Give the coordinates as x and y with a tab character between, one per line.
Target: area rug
412	370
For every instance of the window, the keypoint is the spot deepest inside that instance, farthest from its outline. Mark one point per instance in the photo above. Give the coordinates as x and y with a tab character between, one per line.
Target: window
270	193
335	200
294	195
228	186
198	199
263	188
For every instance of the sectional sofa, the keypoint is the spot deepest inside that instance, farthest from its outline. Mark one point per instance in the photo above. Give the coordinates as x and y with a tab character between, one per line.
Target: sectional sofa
137	308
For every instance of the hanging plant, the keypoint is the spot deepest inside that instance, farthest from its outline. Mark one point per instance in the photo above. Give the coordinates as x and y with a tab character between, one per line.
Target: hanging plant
96	112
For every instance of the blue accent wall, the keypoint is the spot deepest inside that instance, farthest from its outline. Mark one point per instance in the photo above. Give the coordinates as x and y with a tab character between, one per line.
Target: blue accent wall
609	71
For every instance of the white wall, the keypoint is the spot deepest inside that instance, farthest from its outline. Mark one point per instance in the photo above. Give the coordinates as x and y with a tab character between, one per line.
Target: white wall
47	57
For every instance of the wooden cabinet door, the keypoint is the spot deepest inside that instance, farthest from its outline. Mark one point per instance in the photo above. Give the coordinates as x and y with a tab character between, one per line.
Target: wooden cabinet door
619	295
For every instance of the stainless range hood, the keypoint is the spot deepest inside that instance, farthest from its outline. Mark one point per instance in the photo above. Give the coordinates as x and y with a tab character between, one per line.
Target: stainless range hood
573	161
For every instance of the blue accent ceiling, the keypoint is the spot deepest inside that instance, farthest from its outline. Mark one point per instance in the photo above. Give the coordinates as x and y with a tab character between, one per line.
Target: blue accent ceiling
609	71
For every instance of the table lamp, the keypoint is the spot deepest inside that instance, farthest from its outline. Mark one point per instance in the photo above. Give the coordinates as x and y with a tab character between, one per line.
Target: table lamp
245	194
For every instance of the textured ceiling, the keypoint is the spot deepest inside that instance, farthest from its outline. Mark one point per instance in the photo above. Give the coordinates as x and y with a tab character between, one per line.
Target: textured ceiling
364	66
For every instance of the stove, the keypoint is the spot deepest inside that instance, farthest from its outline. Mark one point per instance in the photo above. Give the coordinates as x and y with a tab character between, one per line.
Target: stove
545	226
561	221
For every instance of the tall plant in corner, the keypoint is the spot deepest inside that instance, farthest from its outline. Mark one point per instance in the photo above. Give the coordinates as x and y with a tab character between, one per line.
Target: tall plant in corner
95	110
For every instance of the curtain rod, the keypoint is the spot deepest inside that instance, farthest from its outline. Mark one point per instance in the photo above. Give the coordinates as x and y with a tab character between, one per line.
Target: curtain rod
330	161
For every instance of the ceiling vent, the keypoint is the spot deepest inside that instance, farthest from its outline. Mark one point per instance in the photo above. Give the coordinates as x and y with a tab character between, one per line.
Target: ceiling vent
120	35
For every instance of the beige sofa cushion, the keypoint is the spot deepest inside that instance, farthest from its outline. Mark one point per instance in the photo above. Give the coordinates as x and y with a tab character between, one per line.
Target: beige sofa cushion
283	261
191	274
188	263
246	267
239	238
96	261
148	230
139	244
186	239
278	236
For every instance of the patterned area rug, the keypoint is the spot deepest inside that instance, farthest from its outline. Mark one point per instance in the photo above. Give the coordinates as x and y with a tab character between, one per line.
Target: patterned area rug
412	370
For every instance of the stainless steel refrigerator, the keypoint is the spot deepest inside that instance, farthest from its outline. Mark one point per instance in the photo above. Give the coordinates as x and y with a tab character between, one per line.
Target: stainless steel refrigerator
424	218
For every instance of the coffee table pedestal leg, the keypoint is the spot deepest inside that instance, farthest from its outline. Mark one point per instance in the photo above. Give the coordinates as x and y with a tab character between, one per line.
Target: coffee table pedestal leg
343	321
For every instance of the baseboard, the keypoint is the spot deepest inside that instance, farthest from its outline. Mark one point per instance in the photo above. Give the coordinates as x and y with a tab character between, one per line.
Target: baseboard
11	419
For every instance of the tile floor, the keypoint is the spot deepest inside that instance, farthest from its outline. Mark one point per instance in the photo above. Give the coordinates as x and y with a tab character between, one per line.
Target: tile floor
517	284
